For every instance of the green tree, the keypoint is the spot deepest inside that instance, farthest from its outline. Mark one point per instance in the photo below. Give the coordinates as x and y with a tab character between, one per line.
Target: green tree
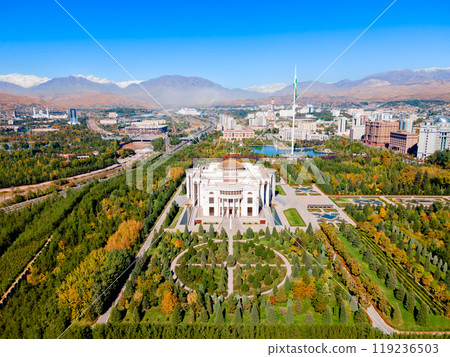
343	316
219	317
176	317
396	315
310	230
116	315
281	296
423	316
254	315
391	282
428	262
237	317
289	315
249	233
201	231
326	316
204	317
309	319
271	315
410	303
211	233
360	317
136	316
382	271
400	292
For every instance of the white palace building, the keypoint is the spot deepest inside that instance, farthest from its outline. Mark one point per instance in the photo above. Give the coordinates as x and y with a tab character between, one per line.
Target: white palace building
230	189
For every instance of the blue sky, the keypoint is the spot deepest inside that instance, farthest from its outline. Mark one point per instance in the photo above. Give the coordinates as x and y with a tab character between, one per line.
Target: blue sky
233	43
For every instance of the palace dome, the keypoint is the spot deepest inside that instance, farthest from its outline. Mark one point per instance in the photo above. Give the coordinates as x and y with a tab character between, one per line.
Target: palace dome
230	164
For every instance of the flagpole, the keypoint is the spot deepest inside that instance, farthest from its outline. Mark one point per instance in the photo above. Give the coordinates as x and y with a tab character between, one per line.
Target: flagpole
293	110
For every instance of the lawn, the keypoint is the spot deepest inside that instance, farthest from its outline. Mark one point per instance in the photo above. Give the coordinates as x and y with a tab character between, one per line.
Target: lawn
280	190
294	218
175	220
341	201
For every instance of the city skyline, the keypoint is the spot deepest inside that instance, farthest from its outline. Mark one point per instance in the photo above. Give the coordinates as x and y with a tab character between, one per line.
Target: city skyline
261	44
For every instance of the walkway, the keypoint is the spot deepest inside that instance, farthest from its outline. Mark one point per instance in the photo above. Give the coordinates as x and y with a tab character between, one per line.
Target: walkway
230	270
148	242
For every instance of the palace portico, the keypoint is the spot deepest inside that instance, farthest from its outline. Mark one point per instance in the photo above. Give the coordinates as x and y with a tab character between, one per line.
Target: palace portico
230	188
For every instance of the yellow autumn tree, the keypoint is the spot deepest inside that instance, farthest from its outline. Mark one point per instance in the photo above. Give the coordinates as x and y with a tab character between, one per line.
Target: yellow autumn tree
125	236
168	303
75	292
175	172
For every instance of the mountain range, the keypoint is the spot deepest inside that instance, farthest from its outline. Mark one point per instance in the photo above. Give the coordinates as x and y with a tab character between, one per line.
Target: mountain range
177	91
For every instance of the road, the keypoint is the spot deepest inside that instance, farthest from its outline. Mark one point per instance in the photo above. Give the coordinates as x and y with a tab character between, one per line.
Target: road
147	244
93	126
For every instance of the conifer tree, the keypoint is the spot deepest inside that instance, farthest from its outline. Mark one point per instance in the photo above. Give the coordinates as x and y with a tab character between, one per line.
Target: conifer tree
396	315
410	303
237	317
400	292
423	316
115	316
382	271
310	230
271	315
267	234
289	315
201	231
204	317
353	304
391	282
287	284
343	317
427	263
360	317
309	319
254	315
326	316
211	233
219	316
176	317
136	316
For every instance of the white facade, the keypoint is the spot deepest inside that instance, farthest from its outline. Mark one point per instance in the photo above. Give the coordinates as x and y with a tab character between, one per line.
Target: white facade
336	112
188	111
230	188
261	119
227	122
357	132
342	126
433	136
286	113
286	134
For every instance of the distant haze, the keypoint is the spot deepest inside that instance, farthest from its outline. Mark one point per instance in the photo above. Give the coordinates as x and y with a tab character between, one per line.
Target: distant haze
177	91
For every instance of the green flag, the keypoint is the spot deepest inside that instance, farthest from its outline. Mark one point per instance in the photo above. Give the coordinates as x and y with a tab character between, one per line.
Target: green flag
295	86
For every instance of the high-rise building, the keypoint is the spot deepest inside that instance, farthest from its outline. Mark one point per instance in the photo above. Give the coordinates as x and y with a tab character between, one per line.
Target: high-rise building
378	133
405	124
73	117
342	126
403	142
433	136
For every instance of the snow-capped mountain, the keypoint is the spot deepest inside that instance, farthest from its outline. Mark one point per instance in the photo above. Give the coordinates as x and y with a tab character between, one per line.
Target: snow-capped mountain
107	81
175	90
26	81
268	88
